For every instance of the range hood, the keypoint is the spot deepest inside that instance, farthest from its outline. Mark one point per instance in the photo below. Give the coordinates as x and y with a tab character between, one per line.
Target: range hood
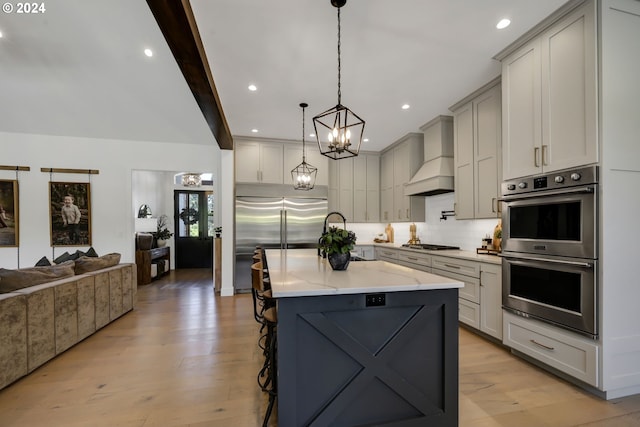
435	176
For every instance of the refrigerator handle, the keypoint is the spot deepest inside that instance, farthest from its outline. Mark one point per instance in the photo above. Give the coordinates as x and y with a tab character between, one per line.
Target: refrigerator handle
286	238
281	229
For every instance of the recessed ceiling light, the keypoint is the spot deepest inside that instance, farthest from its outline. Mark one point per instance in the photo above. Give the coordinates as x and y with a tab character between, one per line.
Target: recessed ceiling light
365	140
504	23
254	130
406	106
253	88
312	135
148	52
0	34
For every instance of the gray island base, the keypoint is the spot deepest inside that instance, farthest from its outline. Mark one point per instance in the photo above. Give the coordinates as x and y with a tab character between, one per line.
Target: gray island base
367	350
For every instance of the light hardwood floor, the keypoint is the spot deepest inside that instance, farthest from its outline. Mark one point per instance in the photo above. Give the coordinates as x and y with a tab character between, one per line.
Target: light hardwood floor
184	357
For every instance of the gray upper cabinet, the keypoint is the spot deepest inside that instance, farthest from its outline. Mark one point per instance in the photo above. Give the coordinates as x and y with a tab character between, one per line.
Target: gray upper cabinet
366	188
386	186
399	163
477	137
341	187
549	91
354	187
259	162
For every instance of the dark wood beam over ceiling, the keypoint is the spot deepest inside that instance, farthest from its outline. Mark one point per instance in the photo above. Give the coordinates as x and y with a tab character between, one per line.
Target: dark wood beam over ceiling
178	25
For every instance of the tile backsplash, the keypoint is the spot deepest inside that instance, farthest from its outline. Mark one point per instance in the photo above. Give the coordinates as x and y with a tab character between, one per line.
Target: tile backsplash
467	234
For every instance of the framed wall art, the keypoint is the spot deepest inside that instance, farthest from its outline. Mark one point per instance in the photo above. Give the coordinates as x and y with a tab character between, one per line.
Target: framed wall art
9	213
70	212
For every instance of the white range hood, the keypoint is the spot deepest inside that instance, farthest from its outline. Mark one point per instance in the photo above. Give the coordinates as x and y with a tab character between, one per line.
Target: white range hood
435	176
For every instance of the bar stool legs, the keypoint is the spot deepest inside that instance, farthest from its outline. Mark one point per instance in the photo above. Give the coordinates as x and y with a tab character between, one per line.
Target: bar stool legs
272	371
266	314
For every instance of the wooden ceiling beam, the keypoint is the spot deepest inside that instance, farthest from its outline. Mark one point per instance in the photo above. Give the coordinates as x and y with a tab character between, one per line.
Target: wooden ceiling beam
178	25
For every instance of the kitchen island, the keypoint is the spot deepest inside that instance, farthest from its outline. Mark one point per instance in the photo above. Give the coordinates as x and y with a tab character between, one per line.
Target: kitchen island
376	344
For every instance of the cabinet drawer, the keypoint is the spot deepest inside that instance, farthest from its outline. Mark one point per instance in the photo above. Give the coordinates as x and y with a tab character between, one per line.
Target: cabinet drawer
413	265
561	350
423	260
468	268
386	254
471	290
469	313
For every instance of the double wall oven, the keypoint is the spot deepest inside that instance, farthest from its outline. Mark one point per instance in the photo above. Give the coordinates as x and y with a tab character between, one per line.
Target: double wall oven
550	250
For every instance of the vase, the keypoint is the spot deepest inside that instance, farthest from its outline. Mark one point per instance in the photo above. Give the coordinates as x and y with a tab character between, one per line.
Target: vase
161	242
339	261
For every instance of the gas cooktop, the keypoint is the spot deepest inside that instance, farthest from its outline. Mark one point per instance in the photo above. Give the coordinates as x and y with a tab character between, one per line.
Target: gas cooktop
429	246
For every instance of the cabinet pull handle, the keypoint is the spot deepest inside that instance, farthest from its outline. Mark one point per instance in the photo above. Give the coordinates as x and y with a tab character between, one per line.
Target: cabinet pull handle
494	203
542	345
544	154
457	267
412	258
257	175
399	213
536	152
407	213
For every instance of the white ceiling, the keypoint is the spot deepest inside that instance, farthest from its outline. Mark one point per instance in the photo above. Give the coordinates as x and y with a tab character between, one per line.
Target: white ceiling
78	69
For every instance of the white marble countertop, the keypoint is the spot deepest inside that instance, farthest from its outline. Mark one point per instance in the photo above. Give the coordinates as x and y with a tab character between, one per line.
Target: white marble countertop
300	272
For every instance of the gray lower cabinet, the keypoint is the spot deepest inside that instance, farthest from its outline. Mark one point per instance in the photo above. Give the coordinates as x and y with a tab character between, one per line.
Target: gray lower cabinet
343	363
480	300
387	254
564	351
365	251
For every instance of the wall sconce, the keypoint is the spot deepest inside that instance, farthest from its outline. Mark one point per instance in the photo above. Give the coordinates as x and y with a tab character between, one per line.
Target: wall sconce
144	211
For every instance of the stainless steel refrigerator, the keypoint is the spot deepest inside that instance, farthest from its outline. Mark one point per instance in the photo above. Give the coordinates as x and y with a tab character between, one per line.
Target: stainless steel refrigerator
274	222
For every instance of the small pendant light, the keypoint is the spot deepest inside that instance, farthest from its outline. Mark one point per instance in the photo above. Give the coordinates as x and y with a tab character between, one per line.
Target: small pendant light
342	128
304	175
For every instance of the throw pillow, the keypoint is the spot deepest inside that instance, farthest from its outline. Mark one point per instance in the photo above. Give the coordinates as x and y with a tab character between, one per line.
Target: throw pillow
12	280
43	262
86	264
62	258
91	252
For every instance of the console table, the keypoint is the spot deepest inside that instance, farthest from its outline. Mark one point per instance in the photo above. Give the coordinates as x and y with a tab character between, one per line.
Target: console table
144	259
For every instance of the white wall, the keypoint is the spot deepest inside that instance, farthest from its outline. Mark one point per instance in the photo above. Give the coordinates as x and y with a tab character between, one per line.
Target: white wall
111	197
466	234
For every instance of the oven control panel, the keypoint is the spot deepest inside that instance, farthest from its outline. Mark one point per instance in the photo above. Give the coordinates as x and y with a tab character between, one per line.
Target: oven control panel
551	181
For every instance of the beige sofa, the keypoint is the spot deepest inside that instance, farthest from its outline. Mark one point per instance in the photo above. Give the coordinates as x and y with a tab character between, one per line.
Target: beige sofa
39	322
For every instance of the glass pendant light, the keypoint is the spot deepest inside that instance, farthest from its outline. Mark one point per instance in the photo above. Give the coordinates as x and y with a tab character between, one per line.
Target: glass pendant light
304	175
339	130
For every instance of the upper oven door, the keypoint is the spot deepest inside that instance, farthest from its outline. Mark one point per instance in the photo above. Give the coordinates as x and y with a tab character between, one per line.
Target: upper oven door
561	223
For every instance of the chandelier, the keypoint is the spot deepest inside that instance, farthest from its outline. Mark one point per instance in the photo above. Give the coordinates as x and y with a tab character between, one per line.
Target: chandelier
339	130
191	180
303	175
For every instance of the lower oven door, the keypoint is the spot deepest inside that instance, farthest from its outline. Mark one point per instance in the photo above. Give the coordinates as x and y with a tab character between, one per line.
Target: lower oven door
558	290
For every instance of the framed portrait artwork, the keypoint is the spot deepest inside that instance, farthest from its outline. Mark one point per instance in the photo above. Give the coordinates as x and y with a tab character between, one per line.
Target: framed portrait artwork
70	212
8	213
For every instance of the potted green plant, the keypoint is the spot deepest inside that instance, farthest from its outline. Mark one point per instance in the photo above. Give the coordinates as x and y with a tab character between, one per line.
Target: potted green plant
162	233
218	231
337	244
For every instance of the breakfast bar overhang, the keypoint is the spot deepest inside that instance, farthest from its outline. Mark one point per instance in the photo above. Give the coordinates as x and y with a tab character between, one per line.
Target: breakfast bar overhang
376	344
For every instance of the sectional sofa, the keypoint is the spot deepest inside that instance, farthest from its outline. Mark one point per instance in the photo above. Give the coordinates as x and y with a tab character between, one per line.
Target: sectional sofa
39	322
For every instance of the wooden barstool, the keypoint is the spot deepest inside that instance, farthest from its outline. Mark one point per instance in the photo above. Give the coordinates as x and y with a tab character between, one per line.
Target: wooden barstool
268	315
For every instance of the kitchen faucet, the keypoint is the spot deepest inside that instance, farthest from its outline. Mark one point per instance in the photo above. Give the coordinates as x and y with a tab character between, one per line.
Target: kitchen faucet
324	229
